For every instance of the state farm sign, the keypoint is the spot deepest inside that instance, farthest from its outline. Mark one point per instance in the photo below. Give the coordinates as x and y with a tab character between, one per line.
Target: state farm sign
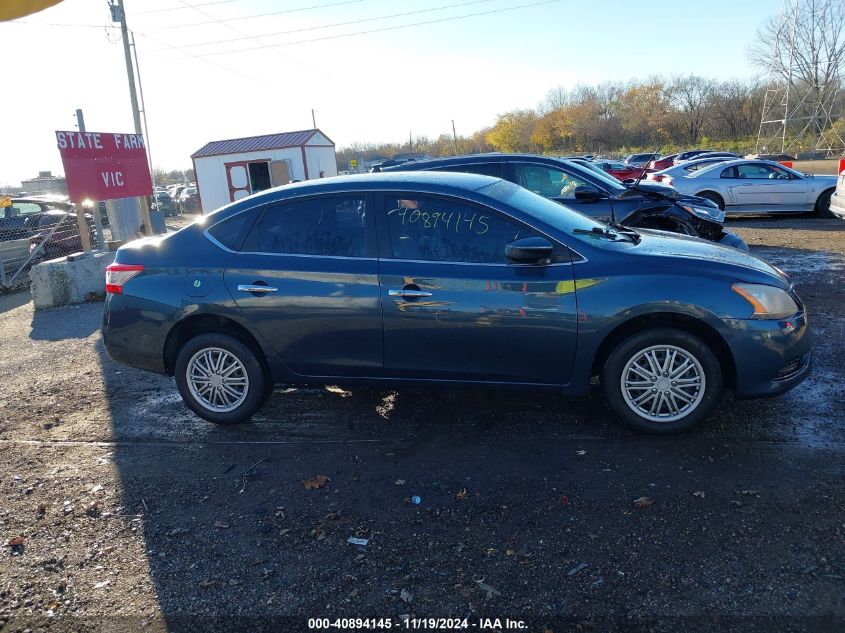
104	165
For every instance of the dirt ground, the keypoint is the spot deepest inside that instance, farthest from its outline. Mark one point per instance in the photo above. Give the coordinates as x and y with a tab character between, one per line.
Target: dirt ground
123	511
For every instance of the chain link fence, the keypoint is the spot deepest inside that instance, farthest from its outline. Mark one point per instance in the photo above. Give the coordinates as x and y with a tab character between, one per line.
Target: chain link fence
33	231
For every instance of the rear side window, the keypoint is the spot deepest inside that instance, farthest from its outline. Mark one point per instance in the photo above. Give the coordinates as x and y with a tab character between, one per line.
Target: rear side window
330	226
483	169
232	232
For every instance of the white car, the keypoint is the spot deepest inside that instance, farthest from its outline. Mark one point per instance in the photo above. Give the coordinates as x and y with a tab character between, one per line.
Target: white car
683	169
760	186
837	202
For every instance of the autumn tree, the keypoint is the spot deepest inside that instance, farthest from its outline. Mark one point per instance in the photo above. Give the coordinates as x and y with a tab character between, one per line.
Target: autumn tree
513	130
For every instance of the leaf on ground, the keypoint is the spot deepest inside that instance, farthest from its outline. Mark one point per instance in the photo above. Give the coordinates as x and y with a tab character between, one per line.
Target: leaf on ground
207	582
406	596
317	481
643	502
221	525
488	589
699	493
462	495
16	541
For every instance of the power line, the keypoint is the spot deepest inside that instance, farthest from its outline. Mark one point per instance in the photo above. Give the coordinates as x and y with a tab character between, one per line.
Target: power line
251	17
204	4
380	30
202	59
73	26
328	26
239	32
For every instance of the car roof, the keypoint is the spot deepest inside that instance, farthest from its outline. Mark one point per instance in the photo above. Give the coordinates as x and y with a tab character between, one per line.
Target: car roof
738	161
489	157
426	181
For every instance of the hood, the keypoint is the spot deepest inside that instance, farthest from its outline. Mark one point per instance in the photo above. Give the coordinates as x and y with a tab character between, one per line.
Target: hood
671	250
652	189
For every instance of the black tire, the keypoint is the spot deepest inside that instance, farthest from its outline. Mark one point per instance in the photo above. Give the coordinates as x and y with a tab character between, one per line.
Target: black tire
712	197
690	345
256	390
823	205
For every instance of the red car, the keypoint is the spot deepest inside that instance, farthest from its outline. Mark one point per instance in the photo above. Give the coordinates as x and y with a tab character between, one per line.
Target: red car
618	169
662	163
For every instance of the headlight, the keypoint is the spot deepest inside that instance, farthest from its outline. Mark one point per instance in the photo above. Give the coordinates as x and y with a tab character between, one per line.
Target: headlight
708	213
768	302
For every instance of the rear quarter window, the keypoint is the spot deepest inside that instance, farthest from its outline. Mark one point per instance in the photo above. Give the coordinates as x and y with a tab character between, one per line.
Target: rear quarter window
232	232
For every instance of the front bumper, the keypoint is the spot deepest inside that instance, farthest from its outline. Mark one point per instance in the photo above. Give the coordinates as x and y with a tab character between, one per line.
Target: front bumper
771	357
837	205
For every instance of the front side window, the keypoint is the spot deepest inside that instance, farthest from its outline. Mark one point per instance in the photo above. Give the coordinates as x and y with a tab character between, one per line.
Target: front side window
446	230
546	181
21	209
331	226
761	172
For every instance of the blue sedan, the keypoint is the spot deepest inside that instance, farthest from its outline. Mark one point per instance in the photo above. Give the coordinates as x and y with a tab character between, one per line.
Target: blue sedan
446	280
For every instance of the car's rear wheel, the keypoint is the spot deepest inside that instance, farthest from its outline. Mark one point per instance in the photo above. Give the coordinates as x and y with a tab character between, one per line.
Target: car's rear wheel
662	381
823	205
220	378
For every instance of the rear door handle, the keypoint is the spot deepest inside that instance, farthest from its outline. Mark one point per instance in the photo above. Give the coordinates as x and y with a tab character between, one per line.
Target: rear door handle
408	294
259	289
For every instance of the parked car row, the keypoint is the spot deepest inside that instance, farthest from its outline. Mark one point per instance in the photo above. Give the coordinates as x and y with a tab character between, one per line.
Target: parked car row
586	188
740	185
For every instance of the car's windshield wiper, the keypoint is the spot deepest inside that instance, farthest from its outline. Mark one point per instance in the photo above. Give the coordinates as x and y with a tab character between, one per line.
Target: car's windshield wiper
627	231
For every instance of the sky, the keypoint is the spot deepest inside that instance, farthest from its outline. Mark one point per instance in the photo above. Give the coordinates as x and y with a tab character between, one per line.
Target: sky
219	69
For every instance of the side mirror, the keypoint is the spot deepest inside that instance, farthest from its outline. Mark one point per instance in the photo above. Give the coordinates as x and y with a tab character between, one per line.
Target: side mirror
529	250
588	193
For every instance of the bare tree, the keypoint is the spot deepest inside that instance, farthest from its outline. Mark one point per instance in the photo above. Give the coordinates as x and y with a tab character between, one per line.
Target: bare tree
690	97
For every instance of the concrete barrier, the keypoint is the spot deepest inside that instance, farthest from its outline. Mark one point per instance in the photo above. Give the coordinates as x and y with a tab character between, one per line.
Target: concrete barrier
72	279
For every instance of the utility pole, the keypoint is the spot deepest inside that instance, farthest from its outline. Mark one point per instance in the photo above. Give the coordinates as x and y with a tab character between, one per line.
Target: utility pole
82	225
313	119
455	136
118	14
410	144
95	207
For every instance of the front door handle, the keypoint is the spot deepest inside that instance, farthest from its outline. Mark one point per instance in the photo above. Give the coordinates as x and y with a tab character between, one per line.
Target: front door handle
408	294
258	289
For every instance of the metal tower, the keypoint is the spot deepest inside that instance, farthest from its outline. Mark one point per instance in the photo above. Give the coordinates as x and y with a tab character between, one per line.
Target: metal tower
798	114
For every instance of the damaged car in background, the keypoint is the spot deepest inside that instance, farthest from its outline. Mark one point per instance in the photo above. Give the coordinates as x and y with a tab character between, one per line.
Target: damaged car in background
638	204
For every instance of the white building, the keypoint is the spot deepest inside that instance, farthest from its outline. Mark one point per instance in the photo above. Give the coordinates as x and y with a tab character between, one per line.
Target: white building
230	170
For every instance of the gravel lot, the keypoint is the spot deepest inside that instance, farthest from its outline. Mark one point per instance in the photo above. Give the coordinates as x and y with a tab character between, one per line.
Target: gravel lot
135	515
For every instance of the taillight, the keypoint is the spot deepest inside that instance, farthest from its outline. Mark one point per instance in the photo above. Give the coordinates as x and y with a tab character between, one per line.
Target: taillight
655	177
118	274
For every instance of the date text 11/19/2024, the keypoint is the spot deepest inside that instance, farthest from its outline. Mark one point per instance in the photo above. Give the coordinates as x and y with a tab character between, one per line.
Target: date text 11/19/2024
417	624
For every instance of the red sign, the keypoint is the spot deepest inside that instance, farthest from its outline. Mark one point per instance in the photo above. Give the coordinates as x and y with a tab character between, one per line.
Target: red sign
104	165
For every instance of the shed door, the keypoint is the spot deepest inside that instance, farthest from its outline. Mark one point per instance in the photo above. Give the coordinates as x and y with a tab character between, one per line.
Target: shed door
237	177
279	172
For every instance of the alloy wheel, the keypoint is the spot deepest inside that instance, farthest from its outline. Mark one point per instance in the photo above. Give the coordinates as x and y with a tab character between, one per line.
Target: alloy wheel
663	383
217	379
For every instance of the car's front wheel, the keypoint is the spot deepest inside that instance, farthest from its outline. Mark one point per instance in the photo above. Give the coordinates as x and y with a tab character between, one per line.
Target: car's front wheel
220	378
662	380
823	205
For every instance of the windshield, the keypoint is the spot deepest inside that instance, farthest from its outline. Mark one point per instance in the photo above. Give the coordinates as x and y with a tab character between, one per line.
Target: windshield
547	211
609	182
